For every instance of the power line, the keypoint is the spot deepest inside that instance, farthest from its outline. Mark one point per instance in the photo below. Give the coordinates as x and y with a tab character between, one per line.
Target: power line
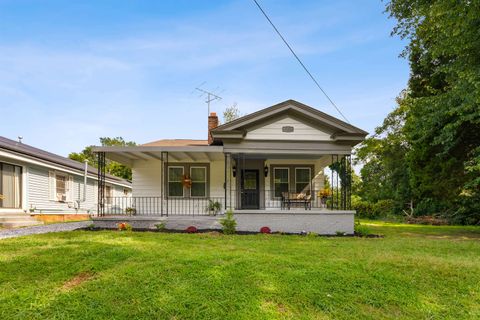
300	61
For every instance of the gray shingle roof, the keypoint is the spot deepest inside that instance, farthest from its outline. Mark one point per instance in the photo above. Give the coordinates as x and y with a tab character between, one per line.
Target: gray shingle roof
43	155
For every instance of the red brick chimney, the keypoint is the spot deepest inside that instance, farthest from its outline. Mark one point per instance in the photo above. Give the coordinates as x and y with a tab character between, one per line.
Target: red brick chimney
212	124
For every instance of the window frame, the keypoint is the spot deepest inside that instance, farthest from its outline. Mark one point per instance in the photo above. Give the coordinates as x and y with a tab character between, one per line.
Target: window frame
274	183
309	183
291	177
108	197
181	182
66	181
204	182
186	168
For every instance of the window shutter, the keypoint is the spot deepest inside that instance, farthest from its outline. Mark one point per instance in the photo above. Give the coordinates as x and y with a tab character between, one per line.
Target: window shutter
51	186
70	190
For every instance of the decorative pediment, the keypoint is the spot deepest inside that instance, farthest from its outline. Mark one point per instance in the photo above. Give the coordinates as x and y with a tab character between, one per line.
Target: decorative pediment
289	120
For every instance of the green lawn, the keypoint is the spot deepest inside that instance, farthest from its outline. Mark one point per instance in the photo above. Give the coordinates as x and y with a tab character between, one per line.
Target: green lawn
415	272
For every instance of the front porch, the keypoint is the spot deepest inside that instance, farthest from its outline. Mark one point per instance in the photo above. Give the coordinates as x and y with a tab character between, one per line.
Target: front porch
254	182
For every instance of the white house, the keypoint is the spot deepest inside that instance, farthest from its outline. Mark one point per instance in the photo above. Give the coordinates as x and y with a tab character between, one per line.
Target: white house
268	167
37	185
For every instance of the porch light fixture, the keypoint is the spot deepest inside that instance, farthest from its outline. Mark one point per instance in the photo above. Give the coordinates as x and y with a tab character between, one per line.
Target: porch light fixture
265	171
234	171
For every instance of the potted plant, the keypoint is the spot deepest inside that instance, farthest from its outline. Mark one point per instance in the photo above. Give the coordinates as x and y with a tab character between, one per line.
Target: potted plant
130	211
324	194
213	207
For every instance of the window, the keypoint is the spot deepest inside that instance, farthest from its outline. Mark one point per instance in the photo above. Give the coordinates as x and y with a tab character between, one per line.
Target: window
199	181
175	181
198	174
10	186
280	181
61	187
108	194
302	179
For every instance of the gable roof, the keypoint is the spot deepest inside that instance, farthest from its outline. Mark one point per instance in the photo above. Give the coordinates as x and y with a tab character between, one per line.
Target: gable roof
339	127
46	156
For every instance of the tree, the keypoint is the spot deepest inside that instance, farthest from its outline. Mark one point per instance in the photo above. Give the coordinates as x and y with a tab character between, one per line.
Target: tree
231	113
384	174
442	104
112	167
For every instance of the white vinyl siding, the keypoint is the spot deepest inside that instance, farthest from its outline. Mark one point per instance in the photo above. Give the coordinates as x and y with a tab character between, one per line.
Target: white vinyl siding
301	131
41	193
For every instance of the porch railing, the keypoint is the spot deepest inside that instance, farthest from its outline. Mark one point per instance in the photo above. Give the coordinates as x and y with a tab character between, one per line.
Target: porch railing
245	199
156	206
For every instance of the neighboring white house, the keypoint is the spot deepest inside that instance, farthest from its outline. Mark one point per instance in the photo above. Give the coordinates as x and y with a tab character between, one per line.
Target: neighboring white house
41	184
268	166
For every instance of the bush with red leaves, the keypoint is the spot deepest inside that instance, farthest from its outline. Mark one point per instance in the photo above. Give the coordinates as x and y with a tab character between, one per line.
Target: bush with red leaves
191	229
265	230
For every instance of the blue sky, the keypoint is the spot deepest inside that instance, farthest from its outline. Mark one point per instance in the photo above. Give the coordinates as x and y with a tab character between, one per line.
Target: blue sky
73	71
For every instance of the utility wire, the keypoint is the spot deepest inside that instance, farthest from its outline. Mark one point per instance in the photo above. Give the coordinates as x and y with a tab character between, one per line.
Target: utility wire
300	61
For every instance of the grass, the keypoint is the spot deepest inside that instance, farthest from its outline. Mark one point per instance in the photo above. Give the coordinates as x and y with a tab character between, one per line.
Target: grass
415	272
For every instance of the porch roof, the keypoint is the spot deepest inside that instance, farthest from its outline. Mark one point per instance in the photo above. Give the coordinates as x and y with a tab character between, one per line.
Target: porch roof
126	155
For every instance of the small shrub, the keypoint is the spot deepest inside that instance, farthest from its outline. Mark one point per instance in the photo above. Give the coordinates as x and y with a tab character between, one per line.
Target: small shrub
123	226
362	230
228	223
339	233
191	229
265	230
91	226
312	234
370	210
161	226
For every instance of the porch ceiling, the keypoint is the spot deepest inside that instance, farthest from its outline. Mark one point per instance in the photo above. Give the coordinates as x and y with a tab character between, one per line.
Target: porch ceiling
127	155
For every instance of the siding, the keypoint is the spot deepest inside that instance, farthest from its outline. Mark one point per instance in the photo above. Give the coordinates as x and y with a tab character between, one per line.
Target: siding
147	178
273	131
38	193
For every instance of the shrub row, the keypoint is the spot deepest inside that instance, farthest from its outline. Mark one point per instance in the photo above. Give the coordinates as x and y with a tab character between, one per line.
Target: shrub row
370	210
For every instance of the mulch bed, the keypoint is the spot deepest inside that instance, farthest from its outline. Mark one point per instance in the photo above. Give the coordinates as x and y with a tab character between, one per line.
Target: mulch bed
219	232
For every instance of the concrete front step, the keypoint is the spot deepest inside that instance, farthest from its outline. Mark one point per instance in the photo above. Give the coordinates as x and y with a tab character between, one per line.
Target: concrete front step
13	220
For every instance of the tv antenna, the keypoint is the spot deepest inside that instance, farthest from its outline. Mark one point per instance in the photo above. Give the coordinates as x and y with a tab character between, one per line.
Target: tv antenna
209	96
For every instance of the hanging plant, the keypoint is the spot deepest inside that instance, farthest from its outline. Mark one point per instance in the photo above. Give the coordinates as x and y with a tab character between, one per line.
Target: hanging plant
186	181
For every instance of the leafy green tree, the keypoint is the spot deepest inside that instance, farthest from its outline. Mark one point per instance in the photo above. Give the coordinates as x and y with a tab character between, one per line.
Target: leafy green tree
384	174
112	167
442	104
231	113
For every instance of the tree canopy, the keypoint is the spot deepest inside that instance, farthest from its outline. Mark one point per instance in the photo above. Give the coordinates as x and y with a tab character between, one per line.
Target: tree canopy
428	149
112	167
231	113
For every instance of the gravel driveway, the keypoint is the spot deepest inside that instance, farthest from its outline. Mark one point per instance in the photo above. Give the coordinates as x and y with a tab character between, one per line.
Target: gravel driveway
56	227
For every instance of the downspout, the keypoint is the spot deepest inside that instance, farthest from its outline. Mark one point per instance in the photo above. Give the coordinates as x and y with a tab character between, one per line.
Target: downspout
84	198
85	181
